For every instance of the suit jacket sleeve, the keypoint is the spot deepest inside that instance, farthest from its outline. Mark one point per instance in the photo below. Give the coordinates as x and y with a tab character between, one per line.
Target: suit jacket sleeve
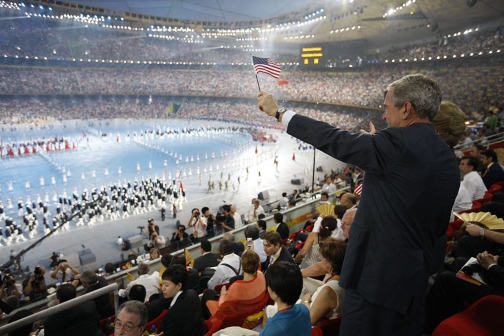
375	153
171	324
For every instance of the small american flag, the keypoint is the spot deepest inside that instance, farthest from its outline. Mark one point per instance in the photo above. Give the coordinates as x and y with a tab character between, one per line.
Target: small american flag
267	66
358	189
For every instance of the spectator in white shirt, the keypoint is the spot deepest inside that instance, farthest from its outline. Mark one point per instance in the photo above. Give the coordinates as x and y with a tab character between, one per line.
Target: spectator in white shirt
255	210
252	231
237	217
339	211
199	223
329	187
472	181
284	200
229	267
150	282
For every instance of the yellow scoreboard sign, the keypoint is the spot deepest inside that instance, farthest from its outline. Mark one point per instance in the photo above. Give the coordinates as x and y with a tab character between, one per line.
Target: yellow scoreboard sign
311	55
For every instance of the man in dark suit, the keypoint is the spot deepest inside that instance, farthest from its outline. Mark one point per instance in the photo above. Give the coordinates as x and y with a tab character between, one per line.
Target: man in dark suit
132	317
493	172
281	227
81	319
207	259
274	250
449	293
390	252
92	282
184	315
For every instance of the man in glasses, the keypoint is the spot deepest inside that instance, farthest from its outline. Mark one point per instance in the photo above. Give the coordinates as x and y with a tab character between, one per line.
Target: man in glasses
131	320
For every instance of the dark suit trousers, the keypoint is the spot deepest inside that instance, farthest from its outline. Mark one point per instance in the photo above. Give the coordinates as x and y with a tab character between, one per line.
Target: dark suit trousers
448	295
360	318
469	246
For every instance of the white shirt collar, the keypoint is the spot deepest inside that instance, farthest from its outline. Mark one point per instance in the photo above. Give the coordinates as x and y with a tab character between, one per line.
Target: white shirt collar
175	298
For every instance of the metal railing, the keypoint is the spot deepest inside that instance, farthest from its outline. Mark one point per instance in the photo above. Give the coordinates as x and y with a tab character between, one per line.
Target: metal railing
62	307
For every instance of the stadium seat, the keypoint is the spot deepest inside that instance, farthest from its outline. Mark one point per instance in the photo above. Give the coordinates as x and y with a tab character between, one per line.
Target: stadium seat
317	331
238	319
213	326
330	327
157	321
495	188
219	287
483	318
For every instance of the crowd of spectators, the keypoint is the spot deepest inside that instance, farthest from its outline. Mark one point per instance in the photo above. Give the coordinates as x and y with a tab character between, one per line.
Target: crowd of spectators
21	110
67	39
474	89
465	43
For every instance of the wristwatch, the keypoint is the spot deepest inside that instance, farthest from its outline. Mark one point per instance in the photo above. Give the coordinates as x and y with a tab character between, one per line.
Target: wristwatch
279	112
482	234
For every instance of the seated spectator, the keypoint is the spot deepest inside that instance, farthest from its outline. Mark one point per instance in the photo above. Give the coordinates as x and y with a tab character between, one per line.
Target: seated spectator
131	319
274	250
325	298
207	258
252	232
318	269
472	181
254	211
310	253
109	269
339	212
138	293
324	198
449	123
493	172
450	294
91	282
329	187
349	200
192	273
471	243
34	286
150	282
154	253
67	272
81	319
285	283
281	227
238	246
284	200
229	267
184	315
24	330
165	262
261	224
248	291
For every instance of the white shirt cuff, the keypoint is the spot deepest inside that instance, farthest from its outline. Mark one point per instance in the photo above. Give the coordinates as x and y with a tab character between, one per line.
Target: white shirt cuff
287	116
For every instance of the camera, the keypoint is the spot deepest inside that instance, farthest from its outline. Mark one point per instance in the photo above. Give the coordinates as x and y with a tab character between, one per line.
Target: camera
8	280
38	274
141	227
196	213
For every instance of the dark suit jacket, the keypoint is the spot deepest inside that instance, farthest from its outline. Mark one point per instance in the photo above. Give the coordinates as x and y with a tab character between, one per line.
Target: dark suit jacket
80	320
283	230
206	260
284	256
492	175
390	252
185	317
103	305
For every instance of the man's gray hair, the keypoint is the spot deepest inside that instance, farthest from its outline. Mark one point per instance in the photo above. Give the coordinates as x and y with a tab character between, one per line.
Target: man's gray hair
421	91
89	277
138	308
229	236
143	268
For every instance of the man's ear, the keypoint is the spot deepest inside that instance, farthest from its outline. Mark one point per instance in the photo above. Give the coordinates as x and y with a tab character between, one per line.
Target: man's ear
407	110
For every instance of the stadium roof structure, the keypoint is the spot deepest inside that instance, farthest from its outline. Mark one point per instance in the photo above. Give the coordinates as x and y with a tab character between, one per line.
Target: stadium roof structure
377	21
